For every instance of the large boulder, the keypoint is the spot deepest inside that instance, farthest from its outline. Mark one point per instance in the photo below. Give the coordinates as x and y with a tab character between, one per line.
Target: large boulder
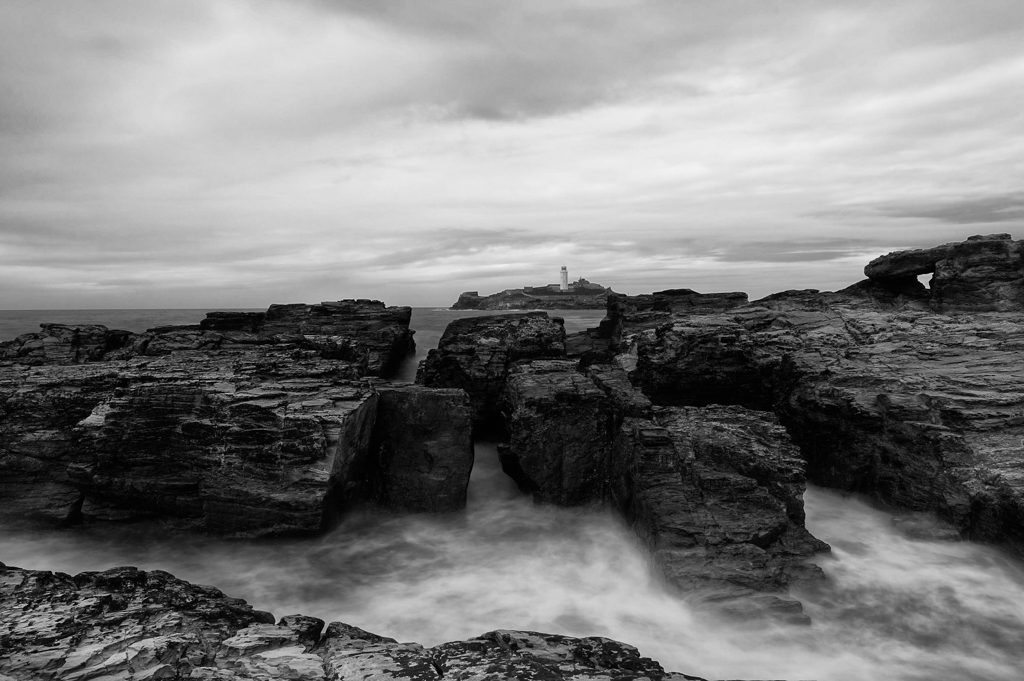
717	492
422	448
475	354
127	624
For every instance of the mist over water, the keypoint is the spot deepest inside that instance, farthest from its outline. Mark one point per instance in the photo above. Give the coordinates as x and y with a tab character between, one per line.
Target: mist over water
900	602
894	607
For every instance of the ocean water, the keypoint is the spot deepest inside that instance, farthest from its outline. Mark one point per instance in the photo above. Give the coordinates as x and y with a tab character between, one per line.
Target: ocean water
896	605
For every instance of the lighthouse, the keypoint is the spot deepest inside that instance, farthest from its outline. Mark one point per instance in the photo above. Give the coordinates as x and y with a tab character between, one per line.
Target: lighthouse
564	284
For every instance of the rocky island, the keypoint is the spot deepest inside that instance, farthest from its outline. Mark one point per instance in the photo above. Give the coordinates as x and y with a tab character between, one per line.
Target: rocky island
577	295
699	418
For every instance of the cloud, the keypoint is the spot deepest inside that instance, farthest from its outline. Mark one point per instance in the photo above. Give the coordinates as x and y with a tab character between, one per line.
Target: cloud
225	152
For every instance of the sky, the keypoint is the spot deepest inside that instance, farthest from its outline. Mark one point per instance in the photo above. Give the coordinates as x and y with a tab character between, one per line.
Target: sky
237	153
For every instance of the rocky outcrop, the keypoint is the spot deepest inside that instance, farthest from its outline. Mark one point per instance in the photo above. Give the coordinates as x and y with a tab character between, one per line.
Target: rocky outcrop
422	448
242	425
475	354
717	492
598	345
981	274
580	295
365	333
920	409
65	344
129	624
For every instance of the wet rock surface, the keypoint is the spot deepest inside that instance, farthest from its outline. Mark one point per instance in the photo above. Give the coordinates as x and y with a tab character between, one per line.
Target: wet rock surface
716	492
130	624
919	408
423	448
249	424
475	354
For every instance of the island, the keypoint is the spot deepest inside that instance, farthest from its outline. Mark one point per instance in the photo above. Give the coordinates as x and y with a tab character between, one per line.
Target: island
565	295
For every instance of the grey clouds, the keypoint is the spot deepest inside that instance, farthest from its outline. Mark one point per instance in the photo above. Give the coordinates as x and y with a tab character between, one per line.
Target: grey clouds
235	153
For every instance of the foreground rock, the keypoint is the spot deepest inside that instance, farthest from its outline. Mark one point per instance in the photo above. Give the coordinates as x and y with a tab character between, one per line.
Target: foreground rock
129	624
250	424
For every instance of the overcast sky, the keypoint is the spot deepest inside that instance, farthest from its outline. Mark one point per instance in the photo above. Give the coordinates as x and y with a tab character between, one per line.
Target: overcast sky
226	153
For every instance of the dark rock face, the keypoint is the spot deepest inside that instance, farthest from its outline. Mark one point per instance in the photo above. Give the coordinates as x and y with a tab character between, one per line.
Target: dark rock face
424	448
129	624
717	493
65	344
475	354
984	273
365	333
920	409
231	431
560	431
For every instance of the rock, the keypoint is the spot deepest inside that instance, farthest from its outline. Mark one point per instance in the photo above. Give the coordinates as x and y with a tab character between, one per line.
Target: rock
118	624
579	295
983	273
560	428
346	329
423	447
716	492
920	409
247	440
364	333
247	424
475	354
65	344
129	624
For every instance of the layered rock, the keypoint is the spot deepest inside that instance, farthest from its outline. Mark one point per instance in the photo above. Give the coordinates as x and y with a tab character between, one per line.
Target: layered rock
921	409
365	333
984	273
598	345
129	624
475	354
249	424
717	492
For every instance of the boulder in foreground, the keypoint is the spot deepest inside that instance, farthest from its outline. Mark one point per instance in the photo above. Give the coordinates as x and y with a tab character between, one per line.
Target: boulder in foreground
126	624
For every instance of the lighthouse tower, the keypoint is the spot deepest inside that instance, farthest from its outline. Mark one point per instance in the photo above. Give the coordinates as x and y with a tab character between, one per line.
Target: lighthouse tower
564	284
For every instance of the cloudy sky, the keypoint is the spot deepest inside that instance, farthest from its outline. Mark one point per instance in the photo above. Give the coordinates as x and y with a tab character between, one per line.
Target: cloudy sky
222	153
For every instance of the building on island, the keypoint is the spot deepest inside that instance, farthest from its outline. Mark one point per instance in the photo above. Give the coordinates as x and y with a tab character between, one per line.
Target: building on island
580	294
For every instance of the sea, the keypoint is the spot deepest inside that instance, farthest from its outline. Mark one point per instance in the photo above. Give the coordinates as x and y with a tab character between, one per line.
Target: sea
901	600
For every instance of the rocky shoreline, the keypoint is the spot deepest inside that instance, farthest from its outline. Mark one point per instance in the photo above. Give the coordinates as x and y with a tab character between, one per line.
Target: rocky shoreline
698	417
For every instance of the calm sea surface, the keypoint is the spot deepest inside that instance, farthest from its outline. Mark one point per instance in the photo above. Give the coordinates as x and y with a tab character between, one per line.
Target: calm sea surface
894	606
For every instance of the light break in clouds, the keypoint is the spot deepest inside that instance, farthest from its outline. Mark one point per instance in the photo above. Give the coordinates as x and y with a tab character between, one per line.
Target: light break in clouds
215	153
